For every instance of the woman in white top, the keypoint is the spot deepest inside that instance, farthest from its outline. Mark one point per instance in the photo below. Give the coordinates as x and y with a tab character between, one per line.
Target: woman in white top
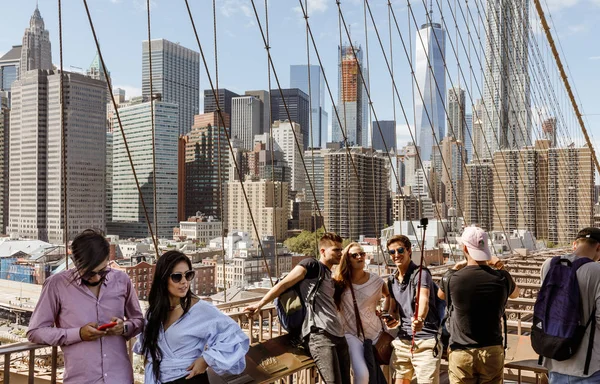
368	289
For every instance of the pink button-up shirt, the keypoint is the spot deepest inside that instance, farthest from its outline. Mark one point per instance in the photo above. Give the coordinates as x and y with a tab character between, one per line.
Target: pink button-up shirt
66	305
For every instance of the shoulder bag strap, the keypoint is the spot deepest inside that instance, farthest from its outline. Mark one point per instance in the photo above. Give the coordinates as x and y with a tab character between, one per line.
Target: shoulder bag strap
359	327
588	356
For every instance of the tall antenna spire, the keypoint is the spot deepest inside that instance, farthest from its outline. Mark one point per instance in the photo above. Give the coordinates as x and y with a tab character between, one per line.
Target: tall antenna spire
431	10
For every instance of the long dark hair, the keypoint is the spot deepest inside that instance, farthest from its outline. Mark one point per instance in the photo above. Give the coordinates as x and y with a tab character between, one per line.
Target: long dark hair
159	306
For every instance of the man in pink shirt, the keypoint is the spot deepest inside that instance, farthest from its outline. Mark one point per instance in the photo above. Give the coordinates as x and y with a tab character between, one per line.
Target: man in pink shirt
76	302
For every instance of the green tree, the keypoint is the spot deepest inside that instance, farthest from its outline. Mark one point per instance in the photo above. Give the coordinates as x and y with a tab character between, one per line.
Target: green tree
305	243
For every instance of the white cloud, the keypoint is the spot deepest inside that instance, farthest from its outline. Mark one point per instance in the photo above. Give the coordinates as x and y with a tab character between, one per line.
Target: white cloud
591	58
576	28
557	5
403	135
115	1
142	4
130	90
314	6
232	7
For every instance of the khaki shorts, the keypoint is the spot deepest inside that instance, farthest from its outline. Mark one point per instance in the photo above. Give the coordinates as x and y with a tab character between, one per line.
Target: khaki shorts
476	365
420	364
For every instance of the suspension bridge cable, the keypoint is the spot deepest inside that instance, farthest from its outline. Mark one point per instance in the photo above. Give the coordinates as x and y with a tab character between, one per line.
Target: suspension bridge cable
155	202
63	138
221	126
285	105
137	183
238	169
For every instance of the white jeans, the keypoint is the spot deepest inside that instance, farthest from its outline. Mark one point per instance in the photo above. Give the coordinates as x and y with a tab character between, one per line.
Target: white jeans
357	357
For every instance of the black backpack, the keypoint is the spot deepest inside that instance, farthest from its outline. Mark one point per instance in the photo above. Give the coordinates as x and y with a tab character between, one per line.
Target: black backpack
292	307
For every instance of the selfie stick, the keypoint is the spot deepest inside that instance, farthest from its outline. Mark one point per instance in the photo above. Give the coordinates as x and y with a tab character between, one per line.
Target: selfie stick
423	226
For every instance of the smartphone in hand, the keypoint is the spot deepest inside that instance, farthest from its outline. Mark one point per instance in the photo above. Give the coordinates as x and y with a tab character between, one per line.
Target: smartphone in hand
106	326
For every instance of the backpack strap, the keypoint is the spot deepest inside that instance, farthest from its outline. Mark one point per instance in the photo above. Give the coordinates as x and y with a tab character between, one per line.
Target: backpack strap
588	356
445	283
310	297
390	284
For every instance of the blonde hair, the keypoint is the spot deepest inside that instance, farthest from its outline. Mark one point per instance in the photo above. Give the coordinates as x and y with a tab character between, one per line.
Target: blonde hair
343	274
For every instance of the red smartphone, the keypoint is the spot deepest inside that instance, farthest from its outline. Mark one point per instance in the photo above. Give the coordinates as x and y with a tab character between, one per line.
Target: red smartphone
106	326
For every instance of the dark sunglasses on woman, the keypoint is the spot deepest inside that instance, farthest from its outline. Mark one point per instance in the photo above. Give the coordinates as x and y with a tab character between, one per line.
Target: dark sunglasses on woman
355	255
177	276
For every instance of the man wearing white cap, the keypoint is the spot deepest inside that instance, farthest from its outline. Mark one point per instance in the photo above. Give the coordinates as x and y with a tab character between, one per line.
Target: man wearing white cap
477	293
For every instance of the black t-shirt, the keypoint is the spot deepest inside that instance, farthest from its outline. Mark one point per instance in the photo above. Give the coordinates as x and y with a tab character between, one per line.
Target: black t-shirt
478	294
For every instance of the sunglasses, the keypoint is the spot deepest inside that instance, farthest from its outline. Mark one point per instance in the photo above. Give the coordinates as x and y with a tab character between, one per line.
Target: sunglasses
178	276
101	273
400	251
355	255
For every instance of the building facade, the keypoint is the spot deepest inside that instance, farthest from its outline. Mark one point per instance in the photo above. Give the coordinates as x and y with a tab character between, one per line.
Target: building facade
315	89
35	163
283	140
175	76
388	130
36	51
298	106
431	87
456	114
479	194
352	106
224	98
355	206
128	214
246	115
206	149
269	203
506	94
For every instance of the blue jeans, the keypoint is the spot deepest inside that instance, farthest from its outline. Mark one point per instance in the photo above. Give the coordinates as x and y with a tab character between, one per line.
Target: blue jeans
559	378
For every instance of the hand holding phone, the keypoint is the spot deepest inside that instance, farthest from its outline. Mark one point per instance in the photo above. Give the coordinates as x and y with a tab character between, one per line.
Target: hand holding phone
106	326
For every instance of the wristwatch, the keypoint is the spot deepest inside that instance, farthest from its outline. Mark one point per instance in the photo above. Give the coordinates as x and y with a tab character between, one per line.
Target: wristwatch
124	329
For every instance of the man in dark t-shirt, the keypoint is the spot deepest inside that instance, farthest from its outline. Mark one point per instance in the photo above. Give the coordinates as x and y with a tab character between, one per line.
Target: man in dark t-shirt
322	329
477	298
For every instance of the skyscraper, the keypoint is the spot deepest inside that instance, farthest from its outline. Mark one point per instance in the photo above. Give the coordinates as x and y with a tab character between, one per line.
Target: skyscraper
245	119
36	52
9	68
347	211
469	137
298	106
36	207
176	76
388	129
224	95
352	106
456	114
299	79
265	106
506	96
283	140
128	215
430	76
4	124
202	165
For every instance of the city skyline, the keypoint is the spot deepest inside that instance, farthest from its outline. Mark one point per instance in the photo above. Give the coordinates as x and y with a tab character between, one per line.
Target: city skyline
572	21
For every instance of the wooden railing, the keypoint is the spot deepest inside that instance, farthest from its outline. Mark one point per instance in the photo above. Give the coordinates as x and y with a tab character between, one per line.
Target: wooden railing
22	350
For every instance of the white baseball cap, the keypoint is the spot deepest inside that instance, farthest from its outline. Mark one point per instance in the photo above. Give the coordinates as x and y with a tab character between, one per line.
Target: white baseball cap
476	241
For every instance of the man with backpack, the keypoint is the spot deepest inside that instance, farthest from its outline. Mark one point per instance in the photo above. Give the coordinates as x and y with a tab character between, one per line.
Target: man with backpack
322	329
566	320
476	297
422	361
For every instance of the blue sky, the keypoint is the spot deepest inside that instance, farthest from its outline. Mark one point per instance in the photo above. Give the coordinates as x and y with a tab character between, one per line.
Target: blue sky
121	27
